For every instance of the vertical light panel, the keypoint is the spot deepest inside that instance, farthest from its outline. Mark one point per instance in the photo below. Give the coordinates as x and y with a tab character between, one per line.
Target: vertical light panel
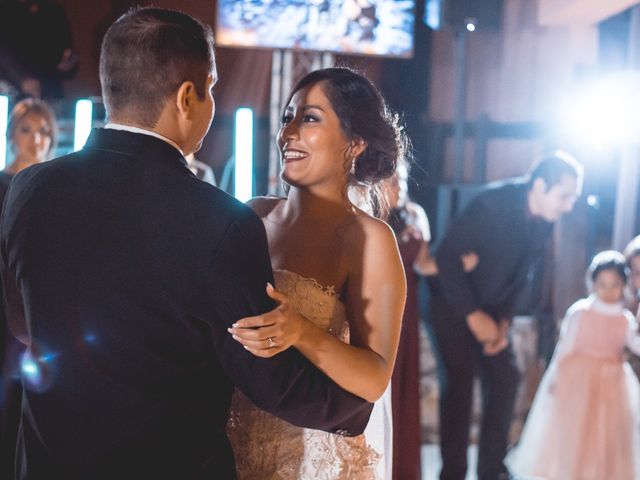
84	115
243	147
433	14
4	120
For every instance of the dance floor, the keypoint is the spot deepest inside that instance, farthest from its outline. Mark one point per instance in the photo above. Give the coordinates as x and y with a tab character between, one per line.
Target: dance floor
431	462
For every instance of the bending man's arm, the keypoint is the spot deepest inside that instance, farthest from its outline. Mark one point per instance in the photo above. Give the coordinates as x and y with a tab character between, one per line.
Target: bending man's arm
471	232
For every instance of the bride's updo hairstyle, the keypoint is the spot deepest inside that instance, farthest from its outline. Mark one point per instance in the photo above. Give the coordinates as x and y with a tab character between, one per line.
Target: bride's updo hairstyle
363	114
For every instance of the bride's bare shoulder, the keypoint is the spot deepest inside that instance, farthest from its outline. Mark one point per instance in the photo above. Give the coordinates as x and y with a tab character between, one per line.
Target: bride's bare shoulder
371	243
263	206
368	228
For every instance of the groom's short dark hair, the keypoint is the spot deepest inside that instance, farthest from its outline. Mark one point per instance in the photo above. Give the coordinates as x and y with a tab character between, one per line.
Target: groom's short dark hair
146	55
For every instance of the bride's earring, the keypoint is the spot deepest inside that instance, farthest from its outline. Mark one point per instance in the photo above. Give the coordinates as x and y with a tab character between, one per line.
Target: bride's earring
353	166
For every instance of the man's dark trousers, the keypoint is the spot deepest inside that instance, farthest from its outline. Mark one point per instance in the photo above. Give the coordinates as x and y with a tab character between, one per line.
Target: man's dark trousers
460	359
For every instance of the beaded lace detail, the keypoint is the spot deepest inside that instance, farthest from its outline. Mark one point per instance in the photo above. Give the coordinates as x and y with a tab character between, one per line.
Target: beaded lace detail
268	448
317	302
291	278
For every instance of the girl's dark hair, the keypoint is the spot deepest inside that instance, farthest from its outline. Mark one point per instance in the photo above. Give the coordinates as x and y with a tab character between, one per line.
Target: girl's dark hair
363	114
33	106
607	260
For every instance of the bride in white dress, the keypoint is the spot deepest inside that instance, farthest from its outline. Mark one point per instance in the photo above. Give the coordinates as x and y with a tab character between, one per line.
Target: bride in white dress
340	282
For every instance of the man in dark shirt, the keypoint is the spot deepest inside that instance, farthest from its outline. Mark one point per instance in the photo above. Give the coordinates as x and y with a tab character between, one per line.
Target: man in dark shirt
507	225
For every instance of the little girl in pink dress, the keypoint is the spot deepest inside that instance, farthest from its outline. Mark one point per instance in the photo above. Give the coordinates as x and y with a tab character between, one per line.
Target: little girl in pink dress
583	424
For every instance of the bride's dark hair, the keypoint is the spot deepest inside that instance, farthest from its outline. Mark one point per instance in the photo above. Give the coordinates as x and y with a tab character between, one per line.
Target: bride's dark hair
364	115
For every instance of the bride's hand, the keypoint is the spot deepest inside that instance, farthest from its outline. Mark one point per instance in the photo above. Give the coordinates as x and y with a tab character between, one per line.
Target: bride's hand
268	334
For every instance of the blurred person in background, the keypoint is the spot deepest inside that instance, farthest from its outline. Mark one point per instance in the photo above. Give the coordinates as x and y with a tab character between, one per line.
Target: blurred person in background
200	169
583	423
508	225
32	134
36	47
632	256
411	226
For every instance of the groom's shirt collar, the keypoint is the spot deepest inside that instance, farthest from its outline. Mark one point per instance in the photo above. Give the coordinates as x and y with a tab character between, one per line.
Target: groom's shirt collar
129	128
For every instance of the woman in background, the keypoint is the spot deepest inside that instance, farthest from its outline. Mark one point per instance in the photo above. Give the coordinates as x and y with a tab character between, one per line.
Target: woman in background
32	133
411	226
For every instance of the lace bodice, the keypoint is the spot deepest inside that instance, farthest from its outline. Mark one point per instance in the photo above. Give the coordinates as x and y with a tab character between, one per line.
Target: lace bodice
266	447
317	302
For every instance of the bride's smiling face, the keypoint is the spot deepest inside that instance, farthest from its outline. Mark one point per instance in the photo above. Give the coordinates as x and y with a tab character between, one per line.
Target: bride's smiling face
312	144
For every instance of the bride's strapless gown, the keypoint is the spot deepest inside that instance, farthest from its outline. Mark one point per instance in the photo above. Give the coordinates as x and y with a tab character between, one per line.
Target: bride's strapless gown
266	447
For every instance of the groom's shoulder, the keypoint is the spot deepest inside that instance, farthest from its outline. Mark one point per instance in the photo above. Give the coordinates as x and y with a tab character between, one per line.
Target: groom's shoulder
223	208
42	173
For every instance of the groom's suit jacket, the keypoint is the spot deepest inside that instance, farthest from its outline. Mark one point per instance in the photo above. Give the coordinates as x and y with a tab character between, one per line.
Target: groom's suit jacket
128	270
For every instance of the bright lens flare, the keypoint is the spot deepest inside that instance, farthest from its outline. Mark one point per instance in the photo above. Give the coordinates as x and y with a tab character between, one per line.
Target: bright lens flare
606	113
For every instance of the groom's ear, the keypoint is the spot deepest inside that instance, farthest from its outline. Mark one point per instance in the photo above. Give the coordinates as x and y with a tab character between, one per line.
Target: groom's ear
185	98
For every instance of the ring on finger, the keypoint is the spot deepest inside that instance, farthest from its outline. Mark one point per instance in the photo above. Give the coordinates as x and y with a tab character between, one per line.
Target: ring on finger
270	342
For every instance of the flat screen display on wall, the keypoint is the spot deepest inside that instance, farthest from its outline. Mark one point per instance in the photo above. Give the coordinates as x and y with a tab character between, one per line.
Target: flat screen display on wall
364	27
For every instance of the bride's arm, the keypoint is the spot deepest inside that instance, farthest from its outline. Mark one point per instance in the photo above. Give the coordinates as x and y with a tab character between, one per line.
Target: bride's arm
375	296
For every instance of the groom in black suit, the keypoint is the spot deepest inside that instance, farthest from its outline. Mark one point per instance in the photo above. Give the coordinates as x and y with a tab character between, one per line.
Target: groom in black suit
122	273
